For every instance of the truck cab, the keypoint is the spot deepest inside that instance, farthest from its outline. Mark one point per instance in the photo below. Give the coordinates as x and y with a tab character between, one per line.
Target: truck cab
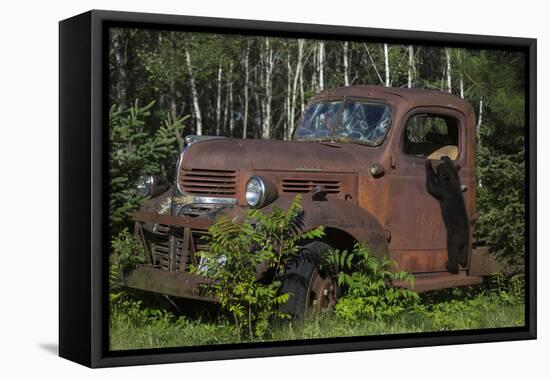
357	158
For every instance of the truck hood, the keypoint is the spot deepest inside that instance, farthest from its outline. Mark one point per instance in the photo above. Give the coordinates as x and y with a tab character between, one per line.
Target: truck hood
269	155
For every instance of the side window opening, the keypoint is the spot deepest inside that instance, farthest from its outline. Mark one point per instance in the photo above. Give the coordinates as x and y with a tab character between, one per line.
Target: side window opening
431	136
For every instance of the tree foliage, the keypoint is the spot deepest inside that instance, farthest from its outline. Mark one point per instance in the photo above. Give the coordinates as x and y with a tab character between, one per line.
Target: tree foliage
499	81
265	82
366	282
235	250
136	148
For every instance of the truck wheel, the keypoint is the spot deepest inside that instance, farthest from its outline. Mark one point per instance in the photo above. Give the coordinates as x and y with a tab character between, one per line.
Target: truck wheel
310	289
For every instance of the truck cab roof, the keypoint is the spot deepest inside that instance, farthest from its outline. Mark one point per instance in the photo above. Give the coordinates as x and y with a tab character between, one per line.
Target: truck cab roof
401	99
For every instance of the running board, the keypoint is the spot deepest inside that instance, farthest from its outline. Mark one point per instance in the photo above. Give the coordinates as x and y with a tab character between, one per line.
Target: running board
444	280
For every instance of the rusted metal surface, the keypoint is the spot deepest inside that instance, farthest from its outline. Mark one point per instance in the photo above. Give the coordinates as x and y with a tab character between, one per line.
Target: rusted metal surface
442	280
168	245
420	261
169	220
389	210
322	294
337	214
178	284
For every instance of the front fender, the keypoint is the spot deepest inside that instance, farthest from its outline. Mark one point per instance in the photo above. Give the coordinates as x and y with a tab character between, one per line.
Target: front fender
340	215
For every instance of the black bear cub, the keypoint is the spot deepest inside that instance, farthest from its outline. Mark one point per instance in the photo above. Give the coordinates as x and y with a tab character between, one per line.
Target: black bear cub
444	185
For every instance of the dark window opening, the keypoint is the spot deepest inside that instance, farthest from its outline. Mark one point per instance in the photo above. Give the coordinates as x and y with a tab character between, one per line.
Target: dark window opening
430	136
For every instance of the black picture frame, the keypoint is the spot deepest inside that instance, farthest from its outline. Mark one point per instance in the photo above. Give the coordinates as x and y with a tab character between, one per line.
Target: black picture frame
83	166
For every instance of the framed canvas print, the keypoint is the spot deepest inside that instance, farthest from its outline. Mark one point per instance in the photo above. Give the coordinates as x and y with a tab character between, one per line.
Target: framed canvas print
234	188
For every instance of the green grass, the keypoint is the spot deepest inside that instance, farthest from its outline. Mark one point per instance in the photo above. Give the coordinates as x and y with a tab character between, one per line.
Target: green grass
136	326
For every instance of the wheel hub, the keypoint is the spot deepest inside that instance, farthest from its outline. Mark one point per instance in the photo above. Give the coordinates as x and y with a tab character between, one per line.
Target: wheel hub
322	293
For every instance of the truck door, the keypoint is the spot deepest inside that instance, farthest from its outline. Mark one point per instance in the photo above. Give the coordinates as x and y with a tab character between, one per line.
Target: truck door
418	234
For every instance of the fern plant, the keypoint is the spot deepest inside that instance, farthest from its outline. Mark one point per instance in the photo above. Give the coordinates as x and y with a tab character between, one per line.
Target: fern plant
235	251
510	289
366	283
126	253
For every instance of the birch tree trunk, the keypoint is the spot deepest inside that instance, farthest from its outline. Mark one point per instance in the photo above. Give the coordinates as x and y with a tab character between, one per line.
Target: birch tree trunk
461	77
301	79
386	65
315	71
411	67
219	98
480	115
258	104
246	80
288	122
374	64
194	94
321	66
297	77
230	89
268	66
121	70
225	111
449	81
346	64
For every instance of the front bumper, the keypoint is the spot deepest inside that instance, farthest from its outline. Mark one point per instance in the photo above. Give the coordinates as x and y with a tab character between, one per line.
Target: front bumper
178	284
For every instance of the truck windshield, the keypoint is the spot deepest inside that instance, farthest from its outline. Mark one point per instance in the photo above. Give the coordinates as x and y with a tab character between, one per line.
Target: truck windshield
346	121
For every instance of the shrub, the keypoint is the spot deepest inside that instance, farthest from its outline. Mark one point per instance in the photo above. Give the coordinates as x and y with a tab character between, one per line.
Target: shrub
235	250
136	148
366	284
510	289
126	253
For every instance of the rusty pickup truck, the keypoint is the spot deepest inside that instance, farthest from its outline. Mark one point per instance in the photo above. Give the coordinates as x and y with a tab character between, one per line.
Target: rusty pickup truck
364	149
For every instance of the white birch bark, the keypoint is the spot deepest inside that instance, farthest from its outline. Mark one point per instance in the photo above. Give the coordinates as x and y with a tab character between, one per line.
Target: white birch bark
315	70
246	84
301	80
268	66
448	70
373	64
321	66
297	77
480	115
346	64
288	121
194	94
386	65
219	98
225	111
231	110
461	77
259	104
411	67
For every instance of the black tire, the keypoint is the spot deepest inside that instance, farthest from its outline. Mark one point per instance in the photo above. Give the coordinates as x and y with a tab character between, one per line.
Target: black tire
306	284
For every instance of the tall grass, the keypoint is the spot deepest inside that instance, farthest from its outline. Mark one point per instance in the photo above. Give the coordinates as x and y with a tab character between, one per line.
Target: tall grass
136	326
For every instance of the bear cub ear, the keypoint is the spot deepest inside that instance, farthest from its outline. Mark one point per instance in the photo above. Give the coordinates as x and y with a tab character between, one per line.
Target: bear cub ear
446	159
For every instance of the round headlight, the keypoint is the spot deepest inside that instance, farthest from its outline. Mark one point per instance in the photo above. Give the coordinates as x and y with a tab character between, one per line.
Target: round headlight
145	185
255	191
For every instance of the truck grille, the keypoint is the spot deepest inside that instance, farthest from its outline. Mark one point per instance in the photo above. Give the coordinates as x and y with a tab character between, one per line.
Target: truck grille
205	182
160	247
306	185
